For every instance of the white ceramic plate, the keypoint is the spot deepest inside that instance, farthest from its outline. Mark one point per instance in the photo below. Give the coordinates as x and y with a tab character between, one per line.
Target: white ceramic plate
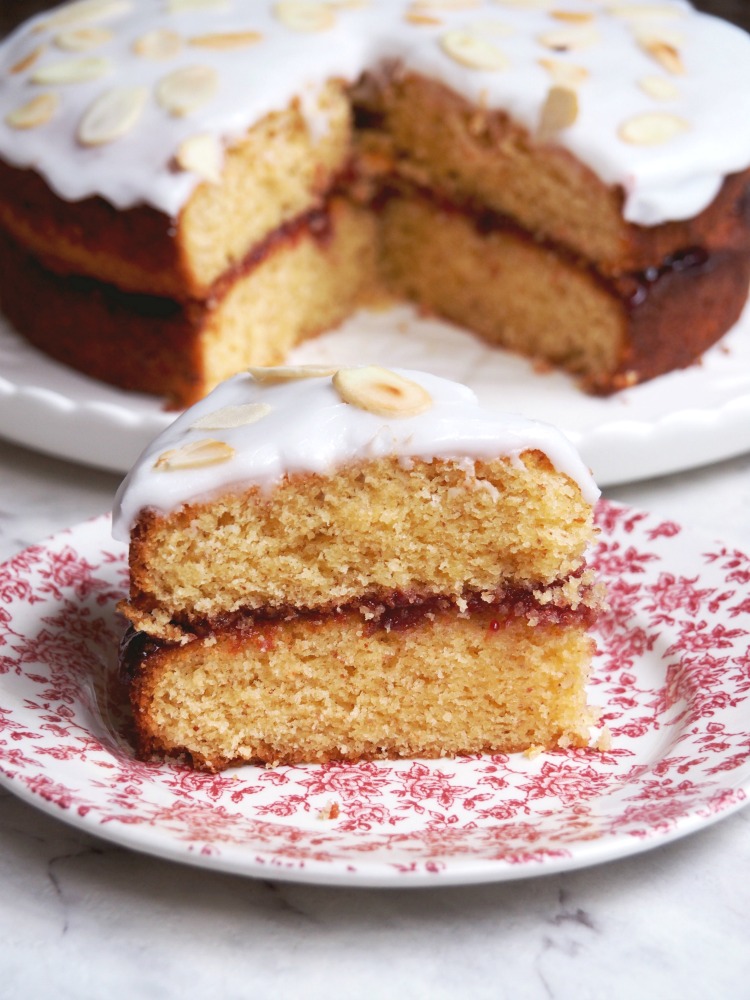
671	675
676	422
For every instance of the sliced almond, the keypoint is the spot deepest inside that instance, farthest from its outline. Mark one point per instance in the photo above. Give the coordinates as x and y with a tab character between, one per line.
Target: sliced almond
232	416
414	17
83	39
472	50
572	16
85	10
35	112
28	60
286	373
202	155
305	15
161	43
564	73
226	39
570	38
664	52
381	391
652	129
659	87
72	70
112	115
195	454
187	89
559	111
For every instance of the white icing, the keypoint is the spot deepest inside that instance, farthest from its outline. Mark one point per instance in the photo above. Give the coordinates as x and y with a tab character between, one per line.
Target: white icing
673	180
310	429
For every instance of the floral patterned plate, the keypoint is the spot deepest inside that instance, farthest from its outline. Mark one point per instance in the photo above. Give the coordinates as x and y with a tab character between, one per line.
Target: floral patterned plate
672	675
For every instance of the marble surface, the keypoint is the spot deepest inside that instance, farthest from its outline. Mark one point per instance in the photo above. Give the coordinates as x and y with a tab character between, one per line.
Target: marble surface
81	918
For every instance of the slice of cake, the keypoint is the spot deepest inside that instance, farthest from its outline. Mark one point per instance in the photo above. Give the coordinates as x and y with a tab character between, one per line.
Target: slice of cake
355	564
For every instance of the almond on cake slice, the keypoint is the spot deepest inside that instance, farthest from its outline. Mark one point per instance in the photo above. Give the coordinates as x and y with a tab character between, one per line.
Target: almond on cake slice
232	416
194	454
381	391
285	373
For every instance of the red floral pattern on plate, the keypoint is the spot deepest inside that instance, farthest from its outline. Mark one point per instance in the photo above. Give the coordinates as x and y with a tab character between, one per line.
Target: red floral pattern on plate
672	676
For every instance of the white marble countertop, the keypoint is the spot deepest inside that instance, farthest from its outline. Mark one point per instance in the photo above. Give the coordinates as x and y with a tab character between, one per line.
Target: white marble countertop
81	918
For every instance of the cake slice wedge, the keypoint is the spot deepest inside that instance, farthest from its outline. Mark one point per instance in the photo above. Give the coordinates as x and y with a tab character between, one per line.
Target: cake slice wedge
352	564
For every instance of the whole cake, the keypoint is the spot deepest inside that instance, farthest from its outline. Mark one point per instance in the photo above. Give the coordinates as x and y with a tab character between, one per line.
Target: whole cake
189	187
355	564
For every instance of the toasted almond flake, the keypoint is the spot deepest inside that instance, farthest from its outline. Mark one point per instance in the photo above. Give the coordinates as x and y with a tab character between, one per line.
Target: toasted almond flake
652	129
232	416
381	391
414	17
187	89
85	10
564	73
305	15
202	155
572	16
226	39
559	111
570	38
83	39
28	60
472	50
194	454
286	373
161	43
665	53
659	87
178	6
72	70
35	112
112	115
